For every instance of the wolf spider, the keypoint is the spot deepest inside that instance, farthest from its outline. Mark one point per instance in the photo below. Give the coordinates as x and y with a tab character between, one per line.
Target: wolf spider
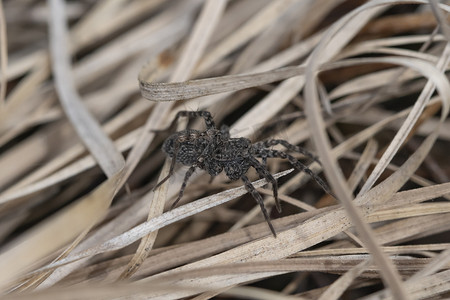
214	151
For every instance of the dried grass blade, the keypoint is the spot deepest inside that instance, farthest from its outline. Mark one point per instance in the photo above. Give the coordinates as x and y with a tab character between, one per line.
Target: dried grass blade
384	191
421	194
165	219
175	91
414	210
157	201
152	38
441	19
202	264
10	198
269	39
56	232
36	280
18	103
157	116
23	64
337	263
165	289
204	27
426	288
106	17
438	263
118	290
17	160
363	164
3	56
207	247
269	106
90	132
201	34
248	292
342	283
126	220
261	250
287	242
337	36
69	171
435	79
251	28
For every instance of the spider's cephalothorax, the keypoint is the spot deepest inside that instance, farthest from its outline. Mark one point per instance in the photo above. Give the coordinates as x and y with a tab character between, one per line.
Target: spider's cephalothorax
214	151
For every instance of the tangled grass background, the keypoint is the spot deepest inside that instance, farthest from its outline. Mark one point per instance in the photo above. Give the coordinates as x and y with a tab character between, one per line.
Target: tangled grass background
362	84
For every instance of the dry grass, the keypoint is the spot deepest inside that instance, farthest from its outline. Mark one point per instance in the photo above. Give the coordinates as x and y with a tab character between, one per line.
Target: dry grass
362	84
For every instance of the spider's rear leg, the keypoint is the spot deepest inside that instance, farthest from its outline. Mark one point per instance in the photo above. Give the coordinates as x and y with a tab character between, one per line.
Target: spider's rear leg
191	114
263	173
183	185
300	167
287	145
251	189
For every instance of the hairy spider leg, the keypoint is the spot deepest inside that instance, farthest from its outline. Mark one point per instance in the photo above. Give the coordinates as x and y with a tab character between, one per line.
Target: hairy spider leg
183	185
251	189
262	156
287	145
263	173
300	167
192	114
172	164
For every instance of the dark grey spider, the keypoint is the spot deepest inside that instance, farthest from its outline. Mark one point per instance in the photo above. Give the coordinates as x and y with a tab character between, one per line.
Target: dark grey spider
214	151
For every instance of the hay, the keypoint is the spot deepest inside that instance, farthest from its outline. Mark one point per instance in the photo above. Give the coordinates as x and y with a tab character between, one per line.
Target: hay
85	84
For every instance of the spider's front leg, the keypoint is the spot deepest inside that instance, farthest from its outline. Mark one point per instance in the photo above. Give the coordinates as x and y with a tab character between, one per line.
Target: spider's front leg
251	189
183	185
192	114
176	148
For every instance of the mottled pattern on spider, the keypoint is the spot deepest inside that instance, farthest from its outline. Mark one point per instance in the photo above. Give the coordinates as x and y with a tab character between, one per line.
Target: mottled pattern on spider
214	151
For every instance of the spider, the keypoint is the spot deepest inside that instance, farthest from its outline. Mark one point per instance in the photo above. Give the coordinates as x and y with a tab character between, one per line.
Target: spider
214	151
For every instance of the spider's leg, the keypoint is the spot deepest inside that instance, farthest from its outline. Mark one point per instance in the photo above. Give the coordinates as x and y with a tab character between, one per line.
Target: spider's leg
251	189
192	114
288	146
264	160
183	185
260	151
263	173
301	167
172	165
